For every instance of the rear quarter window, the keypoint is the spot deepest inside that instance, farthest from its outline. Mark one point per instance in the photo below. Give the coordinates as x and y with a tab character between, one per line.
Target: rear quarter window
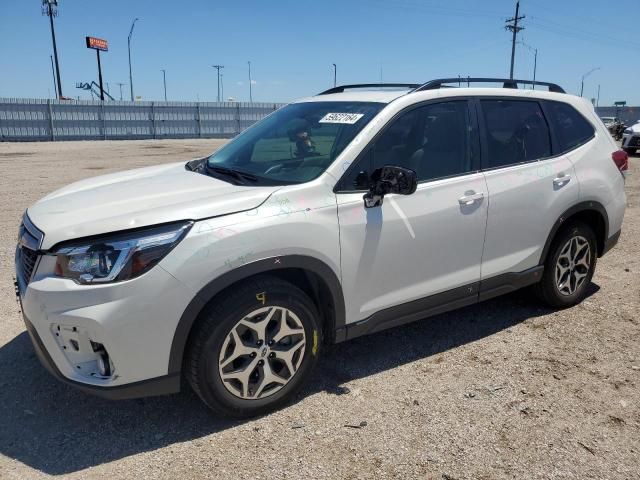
570	127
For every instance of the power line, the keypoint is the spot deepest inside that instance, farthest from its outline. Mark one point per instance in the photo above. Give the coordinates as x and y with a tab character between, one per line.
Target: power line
435	10
512	26
535	60
599	22
559	29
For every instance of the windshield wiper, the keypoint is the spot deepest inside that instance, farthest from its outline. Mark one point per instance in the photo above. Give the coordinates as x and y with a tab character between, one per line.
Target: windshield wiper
237	174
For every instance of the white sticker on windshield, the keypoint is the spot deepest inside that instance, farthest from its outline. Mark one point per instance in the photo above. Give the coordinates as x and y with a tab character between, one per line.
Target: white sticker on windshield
348	118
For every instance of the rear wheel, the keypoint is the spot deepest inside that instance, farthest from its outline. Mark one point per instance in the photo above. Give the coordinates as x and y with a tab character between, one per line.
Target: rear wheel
569	266
254	348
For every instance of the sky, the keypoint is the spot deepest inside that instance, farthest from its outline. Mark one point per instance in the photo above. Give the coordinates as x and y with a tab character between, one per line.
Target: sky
292	45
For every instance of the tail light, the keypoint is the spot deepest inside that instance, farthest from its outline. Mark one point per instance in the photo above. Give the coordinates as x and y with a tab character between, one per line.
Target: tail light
621	159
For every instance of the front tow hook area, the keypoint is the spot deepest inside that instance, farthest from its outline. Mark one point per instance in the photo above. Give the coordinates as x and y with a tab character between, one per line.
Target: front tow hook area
88	357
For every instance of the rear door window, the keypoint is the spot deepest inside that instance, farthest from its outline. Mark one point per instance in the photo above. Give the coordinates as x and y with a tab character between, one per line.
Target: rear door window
570	127
516	132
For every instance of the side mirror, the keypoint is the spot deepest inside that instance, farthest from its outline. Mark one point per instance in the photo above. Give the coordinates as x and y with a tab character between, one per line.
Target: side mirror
389	179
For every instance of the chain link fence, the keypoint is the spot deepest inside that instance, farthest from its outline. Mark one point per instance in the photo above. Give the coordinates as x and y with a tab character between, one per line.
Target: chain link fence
26	120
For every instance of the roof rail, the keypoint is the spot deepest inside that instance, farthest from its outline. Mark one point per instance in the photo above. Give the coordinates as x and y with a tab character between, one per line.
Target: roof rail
506	83
342	88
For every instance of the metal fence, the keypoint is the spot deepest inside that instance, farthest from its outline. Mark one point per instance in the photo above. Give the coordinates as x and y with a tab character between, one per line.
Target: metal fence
25	120
628	115
52	120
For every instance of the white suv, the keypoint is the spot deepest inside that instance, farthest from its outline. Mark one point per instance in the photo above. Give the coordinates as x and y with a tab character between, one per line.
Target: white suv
631	138
336	216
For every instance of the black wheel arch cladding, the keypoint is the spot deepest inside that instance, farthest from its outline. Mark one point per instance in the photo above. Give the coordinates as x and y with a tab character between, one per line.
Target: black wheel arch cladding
583	211
279	265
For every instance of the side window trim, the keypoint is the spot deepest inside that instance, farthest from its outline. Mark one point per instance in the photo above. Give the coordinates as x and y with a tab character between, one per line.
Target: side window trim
555	142
484	133
474	144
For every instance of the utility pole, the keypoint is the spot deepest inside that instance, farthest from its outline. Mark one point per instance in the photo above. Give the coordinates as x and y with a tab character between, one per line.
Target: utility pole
53	73
164	81
50	8
598	98
535	65
120	84
585	76
512	26
335	74
218	67
100	75
222	86
250	94
129	48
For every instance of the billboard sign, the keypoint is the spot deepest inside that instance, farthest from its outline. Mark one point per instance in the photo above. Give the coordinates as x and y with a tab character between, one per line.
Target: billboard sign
97	44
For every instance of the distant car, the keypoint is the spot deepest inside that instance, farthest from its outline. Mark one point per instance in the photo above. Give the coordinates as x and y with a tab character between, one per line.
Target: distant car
631	138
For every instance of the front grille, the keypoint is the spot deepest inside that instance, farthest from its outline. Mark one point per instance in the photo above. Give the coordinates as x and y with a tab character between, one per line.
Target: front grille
27	262
29	241
634	142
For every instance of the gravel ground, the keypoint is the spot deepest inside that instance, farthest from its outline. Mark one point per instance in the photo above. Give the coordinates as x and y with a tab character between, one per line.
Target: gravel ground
505	389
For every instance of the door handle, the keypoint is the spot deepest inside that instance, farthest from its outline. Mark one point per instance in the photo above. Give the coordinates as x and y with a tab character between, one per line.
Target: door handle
561	180
469	198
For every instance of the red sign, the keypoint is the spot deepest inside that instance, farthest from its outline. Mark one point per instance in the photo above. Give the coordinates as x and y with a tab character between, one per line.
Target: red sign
97	44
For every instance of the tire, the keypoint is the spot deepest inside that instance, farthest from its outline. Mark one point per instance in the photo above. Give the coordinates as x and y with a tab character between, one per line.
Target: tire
630	151
239	315
549	289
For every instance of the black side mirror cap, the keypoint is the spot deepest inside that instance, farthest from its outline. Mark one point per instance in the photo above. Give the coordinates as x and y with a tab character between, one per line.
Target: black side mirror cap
389	179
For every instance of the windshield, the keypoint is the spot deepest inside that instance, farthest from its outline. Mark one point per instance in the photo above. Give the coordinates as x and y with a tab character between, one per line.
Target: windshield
294	144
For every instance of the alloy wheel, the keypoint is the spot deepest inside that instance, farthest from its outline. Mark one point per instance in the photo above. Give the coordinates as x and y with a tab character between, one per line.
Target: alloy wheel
262	352
573	265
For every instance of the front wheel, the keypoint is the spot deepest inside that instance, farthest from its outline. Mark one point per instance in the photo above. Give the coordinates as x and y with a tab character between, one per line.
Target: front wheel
629	151
254	348
569	266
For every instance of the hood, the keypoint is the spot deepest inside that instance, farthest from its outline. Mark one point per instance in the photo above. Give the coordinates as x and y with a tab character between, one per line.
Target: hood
635	128
138	198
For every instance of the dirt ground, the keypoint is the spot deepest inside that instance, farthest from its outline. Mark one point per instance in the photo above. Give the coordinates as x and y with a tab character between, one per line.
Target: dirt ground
504	389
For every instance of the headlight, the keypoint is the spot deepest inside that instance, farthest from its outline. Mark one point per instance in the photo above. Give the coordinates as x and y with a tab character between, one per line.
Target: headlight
117	257
628	130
